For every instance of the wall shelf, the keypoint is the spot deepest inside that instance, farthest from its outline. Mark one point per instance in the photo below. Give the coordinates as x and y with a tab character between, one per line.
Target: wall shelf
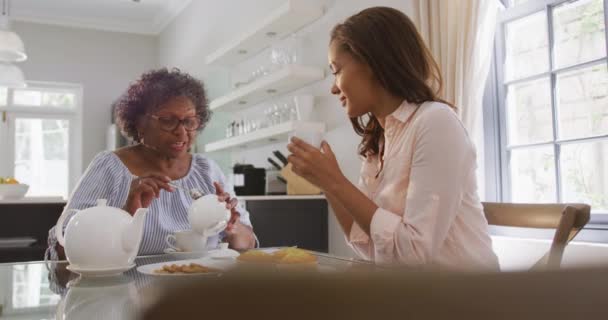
274	134
34	200
284	80
286	19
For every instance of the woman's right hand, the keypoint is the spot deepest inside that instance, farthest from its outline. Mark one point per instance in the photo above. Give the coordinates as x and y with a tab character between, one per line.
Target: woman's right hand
144	189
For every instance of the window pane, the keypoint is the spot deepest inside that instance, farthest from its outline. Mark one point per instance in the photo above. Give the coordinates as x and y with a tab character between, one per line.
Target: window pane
3	94
529	112
22	141
55	99
579	32
527	41
584	170
513	3
533	175
582	97
27	97
41	155
44	99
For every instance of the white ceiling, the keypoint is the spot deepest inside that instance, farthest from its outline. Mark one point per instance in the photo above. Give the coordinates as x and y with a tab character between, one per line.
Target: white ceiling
142	17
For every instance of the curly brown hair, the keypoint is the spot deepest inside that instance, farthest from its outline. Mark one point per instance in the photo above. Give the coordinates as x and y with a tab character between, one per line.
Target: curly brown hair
153	89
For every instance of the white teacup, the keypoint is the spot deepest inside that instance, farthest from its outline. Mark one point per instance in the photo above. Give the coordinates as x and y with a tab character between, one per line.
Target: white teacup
310	136
186	241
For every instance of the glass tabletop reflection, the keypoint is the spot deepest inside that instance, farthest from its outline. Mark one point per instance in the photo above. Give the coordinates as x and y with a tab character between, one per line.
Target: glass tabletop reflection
39	290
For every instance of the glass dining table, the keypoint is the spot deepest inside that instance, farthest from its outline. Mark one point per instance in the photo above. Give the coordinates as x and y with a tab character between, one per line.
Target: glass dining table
39	290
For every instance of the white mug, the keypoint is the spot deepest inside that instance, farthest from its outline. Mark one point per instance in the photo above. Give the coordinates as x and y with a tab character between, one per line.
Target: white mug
186	241
312	137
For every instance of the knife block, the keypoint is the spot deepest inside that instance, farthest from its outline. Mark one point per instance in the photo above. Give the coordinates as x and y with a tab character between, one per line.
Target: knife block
273	185
297	185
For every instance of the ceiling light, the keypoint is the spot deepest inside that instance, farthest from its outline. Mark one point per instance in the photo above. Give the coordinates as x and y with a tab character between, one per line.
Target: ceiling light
11	46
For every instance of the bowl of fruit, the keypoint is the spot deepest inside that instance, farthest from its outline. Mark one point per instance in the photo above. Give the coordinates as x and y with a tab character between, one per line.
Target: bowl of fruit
10	188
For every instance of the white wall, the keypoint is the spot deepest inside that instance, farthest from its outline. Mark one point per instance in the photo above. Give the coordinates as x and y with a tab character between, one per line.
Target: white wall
102	62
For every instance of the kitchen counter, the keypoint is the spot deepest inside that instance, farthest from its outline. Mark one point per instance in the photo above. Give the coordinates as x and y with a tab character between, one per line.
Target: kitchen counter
33	200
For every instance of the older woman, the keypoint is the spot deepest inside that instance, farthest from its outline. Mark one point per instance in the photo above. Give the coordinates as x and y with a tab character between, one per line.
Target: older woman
162	112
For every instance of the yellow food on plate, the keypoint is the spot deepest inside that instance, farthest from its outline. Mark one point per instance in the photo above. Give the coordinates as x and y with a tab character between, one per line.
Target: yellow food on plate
8	180
279	254
185	268
258	256
283	256
295	256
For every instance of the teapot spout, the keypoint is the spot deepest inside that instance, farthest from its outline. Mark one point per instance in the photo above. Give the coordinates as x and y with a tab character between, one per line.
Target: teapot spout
133	231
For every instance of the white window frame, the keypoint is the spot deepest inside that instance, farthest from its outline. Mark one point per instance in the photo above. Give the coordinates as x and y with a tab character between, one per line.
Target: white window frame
508	16
74	115
498	184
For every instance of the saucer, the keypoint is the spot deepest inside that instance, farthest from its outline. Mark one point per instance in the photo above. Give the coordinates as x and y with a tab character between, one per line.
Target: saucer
100	272
183	255
223	254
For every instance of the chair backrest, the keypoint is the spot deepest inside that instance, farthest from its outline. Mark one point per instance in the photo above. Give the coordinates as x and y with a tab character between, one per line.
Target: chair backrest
567	218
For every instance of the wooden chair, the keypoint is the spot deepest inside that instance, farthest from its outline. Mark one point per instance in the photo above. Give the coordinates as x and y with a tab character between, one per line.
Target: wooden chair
567	218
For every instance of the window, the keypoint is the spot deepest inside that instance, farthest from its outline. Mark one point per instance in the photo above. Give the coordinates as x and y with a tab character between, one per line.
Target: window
39	137
552	81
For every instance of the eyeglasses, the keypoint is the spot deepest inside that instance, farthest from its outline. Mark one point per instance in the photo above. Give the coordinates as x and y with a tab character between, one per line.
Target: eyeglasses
171	123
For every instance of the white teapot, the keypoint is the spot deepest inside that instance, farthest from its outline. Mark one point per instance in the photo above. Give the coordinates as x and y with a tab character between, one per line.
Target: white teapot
208	216
101	236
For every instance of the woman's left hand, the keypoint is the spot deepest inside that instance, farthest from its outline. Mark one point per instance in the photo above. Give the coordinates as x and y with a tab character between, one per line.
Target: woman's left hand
318	166
230	205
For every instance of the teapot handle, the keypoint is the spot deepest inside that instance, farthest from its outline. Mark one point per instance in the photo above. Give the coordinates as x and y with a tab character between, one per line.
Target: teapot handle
64	216
59	226
217	228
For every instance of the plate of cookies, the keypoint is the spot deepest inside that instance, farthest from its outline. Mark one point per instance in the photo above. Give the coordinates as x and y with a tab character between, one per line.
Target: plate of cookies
194	267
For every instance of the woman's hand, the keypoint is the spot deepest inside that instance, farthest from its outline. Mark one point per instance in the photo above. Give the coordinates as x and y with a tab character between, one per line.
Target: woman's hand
239	236
231	203
144	189
319	167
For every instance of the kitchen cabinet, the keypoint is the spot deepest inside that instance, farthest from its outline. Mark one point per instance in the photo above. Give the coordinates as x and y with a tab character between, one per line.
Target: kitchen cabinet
300	221
22	219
